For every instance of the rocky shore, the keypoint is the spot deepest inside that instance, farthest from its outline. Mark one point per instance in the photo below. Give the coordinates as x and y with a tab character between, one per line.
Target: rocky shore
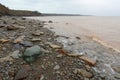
29	51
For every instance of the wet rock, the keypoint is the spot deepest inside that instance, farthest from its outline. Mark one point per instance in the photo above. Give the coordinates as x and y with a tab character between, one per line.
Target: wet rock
78	38
83	72
14	18
17	46
11	27
55	46
32	53
88	60
26	43
75	54
38	33
23	18
15	54
43	21
20	27
21	74
56	67
50	21
36	39
59	55
41	25
4	22
1	26
19	39
66	37
4	40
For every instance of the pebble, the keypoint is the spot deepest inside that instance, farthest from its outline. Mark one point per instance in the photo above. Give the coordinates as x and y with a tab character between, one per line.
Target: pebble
36	39
21	74
26	43
56	67
38	33
23	18
4	40
15	54
75	54
20	27
83	72
78	38
50	21
11	27
1	26
88	60
17	46
55	46
19	39
7	58
59	55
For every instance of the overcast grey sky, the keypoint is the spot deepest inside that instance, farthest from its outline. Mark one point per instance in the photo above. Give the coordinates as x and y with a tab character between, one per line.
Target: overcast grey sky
87	7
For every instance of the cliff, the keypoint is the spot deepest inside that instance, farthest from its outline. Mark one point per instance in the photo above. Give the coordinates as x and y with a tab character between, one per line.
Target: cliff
6	11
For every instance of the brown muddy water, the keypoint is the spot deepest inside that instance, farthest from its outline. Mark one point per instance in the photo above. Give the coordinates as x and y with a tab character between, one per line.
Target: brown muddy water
105	30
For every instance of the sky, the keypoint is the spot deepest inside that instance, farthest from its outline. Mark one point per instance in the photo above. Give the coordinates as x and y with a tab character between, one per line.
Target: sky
84	7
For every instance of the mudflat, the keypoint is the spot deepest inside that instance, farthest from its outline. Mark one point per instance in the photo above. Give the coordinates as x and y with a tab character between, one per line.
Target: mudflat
105	29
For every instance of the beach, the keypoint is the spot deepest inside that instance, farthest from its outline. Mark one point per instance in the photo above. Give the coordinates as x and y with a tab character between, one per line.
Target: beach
54	48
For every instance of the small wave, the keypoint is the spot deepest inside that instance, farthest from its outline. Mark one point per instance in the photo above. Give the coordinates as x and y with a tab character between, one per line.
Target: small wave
97	39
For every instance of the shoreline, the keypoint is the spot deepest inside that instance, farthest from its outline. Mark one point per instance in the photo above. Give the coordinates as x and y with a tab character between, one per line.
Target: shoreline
62	57
85	26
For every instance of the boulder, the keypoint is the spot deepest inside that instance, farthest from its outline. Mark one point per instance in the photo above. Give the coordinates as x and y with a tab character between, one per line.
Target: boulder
31	54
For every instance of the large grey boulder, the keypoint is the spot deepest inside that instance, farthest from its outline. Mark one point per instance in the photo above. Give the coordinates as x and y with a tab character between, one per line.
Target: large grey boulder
31	54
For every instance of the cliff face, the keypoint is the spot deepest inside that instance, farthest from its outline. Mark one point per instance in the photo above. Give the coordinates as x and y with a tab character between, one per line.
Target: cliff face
6	11
24	13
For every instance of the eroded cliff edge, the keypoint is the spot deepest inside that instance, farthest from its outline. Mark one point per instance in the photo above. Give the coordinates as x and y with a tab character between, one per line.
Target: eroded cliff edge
6	11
